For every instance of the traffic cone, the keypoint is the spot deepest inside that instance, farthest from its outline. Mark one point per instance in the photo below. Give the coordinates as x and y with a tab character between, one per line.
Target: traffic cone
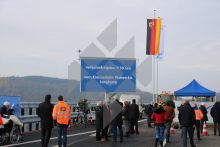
171	130
204	131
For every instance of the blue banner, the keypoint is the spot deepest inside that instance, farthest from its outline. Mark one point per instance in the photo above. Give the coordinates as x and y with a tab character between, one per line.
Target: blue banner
108	75
14	102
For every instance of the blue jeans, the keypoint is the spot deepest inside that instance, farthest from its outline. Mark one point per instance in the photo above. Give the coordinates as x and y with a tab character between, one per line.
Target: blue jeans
85	119
62	131
115	130
160	132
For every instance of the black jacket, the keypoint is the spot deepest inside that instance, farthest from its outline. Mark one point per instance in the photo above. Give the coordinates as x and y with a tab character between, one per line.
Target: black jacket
99	118
134	112
45	111
186	115
204	112
215	112
3	110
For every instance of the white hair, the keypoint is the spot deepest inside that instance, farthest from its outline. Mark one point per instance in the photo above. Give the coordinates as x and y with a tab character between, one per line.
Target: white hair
6	103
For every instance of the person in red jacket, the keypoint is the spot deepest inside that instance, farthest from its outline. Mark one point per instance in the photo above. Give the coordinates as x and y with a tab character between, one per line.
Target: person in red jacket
160	117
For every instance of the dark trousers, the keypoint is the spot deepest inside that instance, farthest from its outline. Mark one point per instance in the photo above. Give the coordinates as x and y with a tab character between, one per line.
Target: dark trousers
45	136
115	130
62	135
188	130
98	134
134	123
197	127
201	126
149	120
168	126
216	127
85	120
105	133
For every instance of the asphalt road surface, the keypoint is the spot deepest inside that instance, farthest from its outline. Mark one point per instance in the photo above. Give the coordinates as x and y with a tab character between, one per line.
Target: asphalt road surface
85	137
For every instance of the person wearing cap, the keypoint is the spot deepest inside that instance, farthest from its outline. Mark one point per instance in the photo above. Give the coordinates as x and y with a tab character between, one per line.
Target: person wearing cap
204	112
4	109
44	111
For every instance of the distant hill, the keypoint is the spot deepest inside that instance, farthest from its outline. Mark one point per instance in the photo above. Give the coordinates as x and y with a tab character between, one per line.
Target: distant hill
34	88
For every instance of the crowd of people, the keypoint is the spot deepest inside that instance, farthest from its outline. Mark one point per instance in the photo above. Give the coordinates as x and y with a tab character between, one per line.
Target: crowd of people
191	119
112	116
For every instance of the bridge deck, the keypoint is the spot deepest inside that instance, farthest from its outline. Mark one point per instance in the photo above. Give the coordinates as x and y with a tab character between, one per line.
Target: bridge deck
81	137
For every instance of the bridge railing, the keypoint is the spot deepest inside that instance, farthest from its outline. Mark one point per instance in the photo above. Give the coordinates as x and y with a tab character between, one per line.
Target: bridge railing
32	121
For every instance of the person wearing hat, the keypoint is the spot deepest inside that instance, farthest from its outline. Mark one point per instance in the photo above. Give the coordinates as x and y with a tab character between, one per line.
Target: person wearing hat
204	112
4	109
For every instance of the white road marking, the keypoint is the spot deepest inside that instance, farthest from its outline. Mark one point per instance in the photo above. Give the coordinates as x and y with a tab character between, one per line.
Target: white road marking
53	138
93	135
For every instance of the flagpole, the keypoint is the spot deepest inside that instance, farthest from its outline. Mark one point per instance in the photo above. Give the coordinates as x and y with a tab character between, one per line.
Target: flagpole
157	77
154	70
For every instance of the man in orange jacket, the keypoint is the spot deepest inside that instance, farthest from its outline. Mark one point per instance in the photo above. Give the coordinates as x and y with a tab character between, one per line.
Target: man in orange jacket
62	115
199	117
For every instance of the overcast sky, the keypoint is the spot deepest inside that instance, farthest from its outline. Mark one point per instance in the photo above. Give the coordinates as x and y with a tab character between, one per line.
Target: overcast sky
41	37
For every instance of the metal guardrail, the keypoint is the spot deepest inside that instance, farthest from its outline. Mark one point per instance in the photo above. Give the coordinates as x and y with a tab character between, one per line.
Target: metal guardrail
29	117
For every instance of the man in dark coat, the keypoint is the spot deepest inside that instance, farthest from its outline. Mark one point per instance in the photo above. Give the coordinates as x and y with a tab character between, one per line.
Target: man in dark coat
45	111
204	112
117	122
134	116
4	109
187	122
215	113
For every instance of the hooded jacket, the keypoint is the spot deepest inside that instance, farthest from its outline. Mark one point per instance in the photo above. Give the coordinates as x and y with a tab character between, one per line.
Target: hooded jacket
160	116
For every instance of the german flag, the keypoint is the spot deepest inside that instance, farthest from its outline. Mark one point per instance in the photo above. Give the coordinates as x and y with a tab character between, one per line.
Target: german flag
153	36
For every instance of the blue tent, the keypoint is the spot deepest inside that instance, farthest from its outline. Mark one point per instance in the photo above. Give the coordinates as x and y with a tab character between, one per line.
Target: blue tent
194	89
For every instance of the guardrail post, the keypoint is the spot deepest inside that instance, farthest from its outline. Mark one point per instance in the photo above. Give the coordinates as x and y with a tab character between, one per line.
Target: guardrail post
22	111
37	126
30	111
30	127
